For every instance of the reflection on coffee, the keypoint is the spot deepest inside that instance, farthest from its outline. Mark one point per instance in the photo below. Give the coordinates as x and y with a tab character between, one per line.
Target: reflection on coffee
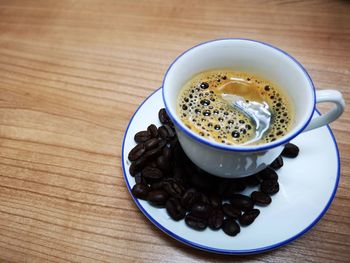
232	108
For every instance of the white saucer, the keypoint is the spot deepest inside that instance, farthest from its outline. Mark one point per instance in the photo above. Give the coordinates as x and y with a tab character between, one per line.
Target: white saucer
307	187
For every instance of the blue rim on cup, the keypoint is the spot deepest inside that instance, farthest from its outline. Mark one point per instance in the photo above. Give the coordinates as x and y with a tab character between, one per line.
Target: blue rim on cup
237	148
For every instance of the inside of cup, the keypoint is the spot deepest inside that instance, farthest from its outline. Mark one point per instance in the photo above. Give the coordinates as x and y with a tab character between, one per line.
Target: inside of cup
248	56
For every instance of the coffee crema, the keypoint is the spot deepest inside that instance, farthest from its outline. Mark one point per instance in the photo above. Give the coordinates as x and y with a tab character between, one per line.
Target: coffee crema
202	108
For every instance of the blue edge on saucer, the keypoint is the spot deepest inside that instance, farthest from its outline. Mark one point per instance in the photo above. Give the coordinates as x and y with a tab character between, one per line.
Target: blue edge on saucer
226	251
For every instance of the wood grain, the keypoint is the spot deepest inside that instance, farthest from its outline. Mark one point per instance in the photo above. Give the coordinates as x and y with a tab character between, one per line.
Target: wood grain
71	75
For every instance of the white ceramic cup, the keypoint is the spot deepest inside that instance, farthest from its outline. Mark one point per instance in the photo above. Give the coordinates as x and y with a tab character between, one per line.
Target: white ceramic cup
260	59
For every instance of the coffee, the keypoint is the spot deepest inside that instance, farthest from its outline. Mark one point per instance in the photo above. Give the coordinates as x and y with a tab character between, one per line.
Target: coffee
204	108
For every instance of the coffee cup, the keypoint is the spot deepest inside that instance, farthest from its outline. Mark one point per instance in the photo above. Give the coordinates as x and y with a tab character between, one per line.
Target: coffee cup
258	58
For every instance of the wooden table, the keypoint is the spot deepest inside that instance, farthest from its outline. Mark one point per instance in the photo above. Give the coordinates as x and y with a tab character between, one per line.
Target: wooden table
71	75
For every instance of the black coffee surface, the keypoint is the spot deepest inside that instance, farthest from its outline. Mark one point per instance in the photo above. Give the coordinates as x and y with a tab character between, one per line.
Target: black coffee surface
201	107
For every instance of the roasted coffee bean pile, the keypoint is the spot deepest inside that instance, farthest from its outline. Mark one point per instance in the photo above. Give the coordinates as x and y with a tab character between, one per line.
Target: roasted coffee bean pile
166	178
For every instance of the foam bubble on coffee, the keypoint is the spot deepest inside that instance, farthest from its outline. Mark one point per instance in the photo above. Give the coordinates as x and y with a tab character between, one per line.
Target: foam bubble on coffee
202	108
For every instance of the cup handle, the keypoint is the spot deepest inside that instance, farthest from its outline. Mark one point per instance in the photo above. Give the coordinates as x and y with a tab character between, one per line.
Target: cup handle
333	96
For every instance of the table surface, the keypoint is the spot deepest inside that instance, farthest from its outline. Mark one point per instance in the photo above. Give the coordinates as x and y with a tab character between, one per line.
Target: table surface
71	75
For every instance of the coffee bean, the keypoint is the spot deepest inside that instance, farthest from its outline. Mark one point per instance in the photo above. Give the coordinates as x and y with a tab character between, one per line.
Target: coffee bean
140	191
133	169
174	209
230	227
201	210
172	142
161	144
162	162
153	130
152	154
152	174
152	164
157	197
139	179
215	200
290	150
173	187
195	223
231	211
151	143
204	199
252	180
242	202
162	131
248	217
166	152
190	197
269	187
277	163
163	116
268	174
170	131
260	198
136	152
137	165
156	185
142	136
215	219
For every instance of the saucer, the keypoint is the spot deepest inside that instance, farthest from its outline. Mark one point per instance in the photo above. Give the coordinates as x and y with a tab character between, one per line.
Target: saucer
308	185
